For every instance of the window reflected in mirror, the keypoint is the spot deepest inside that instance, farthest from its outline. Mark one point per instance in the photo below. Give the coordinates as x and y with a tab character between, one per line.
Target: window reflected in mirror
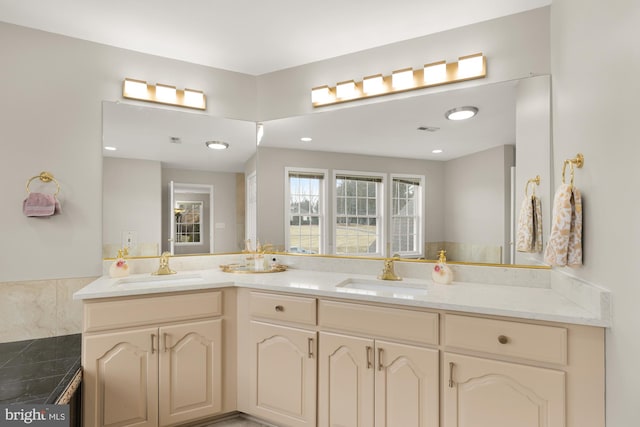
188	223
306	221
359	223
406	215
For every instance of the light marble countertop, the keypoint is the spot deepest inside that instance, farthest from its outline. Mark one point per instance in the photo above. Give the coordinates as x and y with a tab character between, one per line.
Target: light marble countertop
539	303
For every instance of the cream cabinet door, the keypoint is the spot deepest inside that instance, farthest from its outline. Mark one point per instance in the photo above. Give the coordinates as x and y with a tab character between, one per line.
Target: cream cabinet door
486	393
283	375
190	373
346	381
407	386
120	379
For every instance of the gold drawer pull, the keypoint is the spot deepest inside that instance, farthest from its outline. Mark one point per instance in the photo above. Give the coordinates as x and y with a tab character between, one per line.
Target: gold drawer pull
279	308
380	364
503	339
369	353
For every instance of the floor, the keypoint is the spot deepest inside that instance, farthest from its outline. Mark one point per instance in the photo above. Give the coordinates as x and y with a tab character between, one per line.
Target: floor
239	422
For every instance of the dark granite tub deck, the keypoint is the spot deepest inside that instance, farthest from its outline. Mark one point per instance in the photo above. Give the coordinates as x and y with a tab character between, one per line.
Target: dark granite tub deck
38	371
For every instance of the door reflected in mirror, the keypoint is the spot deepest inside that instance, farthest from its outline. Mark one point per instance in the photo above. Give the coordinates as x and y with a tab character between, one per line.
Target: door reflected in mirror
191	229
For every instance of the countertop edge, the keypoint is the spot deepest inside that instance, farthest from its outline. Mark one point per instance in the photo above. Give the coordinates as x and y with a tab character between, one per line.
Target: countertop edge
103	288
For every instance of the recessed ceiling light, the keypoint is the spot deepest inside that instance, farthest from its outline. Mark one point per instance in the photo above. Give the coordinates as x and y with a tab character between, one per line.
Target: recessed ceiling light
306	139
436	151
217	145
461	113
109	148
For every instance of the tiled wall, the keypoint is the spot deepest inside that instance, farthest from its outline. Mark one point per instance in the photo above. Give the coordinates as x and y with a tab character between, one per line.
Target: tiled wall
39	309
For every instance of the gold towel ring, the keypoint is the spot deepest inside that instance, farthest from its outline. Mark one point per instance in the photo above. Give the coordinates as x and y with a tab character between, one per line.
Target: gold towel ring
578	161
44	177
535	181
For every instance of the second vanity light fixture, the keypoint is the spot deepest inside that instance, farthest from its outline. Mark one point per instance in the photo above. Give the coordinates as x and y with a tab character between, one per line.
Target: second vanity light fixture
468	67
163	94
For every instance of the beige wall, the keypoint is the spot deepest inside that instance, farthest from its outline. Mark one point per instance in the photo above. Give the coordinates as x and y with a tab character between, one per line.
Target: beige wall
595	58
476	198
131	200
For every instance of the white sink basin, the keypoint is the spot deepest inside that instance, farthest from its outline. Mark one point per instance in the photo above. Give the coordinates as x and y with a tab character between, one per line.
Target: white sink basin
152	281
381	287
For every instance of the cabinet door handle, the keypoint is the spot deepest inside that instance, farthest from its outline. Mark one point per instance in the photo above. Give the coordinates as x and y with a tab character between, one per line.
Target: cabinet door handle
369	354
279	308
380	364
451	365
165	338
310	348
503	339
153	339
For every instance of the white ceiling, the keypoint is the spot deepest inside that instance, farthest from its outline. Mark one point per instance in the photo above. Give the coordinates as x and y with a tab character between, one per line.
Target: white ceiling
145	133
391	128
253	36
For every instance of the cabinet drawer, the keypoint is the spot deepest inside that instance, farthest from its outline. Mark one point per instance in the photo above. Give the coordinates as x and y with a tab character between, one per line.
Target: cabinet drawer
122	313
282	307
527	341
395	323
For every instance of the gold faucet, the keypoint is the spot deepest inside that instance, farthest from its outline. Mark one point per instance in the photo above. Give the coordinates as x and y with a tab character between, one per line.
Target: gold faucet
164	269
387	272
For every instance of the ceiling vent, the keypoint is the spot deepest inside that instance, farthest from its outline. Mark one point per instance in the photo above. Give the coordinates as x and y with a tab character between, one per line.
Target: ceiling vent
429	128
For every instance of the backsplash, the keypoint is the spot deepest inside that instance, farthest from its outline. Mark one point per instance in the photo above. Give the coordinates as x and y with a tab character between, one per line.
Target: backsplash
495	275
40	308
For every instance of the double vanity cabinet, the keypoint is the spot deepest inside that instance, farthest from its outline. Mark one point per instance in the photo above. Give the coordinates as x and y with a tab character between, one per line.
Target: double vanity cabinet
158	360
303	359
383	365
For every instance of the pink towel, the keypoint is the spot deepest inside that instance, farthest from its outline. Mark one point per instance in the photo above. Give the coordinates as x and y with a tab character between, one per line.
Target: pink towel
40	204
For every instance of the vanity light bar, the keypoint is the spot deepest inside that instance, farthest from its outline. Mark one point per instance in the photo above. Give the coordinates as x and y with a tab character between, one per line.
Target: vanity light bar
163	94
468	67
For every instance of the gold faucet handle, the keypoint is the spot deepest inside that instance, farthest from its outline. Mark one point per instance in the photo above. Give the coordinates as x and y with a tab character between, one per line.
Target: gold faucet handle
388	272
164	269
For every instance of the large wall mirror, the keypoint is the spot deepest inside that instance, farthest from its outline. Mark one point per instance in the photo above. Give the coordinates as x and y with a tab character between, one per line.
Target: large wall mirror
164	189
368	179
